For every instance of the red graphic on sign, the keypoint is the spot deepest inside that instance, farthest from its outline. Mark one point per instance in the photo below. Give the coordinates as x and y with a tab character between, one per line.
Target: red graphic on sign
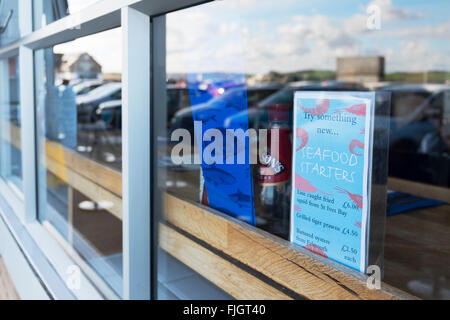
306	186
320	109
315	249
357	199
302	134
357	109
354	144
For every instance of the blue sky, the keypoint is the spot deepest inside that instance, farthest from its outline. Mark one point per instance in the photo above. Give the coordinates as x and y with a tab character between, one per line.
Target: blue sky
257	36
293	35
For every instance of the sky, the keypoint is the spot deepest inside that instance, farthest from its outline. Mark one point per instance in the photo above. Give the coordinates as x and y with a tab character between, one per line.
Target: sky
77	5
291	35
258	36
104	47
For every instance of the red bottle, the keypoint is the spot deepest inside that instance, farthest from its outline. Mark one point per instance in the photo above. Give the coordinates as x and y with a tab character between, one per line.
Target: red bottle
275	171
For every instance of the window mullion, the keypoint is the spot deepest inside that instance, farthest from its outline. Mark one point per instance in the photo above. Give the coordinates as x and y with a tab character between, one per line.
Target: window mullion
28	133
136	154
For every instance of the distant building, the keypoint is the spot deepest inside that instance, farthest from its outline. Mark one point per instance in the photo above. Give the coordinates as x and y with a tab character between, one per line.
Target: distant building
360	69
86	67
82	66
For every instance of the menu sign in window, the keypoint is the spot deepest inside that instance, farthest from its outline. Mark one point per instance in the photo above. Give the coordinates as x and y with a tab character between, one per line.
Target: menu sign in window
331	174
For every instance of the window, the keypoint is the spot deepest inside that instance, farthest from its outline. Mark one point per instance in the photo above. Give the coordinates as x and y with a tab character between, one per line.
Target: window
48	11
80	152
154	146
9	22
241	65
10	145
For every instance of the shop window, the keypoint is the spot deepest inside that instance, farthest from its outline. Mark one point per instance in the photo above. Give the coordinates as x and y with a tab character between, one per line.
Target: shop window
9	22
79	134
48	11
230	65
10	115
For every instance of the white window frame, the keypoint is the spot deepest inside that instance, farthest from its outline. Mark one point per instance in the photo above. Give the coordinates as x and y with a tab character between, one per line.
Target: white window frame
48	259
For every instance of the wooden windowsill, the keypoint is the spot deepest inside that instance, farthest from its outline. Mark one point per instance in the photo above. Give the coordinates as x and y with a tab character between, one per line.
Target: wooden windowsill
245	262
419	189
7	289
252	264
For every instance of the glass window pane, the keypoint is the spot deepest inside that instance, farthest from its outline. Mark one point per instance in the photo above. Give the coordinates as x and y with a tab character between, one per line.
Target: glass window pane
10	117
78	90
237	66
9	22
48	11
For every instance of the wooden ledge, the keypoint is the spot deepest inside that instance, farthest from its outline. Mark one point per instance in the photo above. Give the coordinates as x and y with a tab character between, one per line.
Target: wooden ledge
7	289
257	257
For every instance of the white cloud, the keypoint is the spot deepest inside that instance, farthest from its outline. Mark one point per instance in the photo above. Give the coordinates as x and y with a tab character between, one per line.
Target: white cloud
389	12
309	42
440	31
357	23
196	42
204	41
417	56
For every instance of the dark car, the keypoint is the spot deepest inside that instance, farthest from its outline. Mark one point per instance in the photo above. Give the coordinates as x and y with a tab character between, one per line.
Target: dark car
419	148
179	98
84	87
184	118
109	114
88	104
110	111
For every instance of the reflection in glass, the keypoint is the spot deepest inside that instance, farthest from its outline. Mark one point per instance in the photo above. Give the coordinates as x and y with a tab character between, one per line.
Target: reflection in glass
48	11
232	63
80	152
10	123
9	22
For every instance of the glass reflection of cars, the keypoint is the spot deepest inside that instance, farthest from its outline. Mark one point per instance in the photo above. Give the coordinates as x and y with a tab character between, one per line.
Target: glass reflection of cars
84	87
177	99
99	124
87	104
183	119
257	117
417	133
416	117
110	114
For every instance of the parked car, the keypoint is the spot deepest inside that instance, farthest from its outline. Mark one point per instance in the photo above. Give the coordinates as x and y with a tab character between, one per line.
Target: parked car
179	98
87	104
84	87
419	147
111	110
185	119
110	114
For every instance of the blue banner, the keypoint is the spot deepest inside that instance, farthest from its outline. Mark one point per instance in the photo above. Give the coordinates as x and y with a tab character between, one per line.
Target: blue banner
229	187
